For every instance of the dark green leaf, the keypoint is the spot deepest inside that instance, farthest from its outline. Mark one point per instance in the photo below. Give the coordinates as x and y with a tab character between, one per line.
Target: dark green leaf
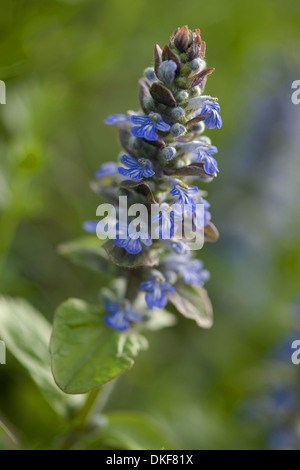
141	188
120	257
88	252
85	352
162	94
26	334
195	169
109	193
131	431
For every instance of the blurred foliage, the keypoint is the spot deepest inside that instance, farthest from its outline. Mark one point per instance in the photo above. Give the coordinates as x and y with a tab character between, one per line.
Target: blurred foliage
67	64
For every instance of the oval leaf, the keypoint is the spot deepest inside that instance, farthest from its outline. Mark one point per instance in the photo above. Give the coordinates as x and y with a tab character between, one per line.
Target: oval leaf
211	233
87	252
120	257
141	188
85	352
193	303
195	169
162	94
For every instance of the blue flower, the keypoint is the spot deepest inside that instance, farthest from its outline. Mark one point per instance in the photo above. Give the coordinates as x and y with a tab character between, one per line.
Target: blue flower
210	164
146	126
116	119
121	314
179	247
211	110
130	239
90	226
166	218
191	270
137	168
185	196
194	274
157	286
201	222
107	169
167	70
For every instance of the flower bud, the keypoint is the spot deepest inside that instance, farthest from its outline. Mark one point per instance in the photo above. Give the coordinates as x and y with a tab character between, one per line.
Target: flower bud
177	113
198	128
197	65
182	96
167	71
168	153
194	92
150	74
177	130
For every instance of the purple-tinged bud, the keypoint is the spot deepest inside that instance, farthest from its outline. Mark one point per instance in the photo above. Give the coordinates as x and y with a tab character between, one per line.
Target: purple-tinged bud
182	38
178	130
168	153
167	71
150	74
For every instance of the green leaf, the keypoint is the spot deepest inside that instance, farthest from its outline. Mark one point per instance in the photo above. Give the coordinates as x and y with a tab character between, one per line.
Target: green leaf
120	257
88	252
132	431
26	334
85	352
162	94
195	169
193	302
141	187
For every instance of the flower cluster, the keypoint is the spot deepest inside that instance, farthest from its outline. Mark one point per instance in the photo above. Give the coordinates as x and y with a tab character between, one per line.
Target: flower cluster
163	150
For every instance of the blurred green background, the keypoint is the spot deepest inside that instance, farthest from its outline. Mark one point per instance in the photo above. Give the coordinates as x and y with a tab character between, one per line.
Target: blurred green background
67	65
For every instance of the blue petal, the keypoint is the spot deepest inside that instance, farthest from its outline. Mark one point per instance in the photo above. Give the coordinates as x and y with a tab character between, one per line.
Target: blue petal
116	119
163	126
90	226
130	162
149	132
142	120
107	169
147	241
147	172
133	316
146	285
133	174
133	246
112	307
117	321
